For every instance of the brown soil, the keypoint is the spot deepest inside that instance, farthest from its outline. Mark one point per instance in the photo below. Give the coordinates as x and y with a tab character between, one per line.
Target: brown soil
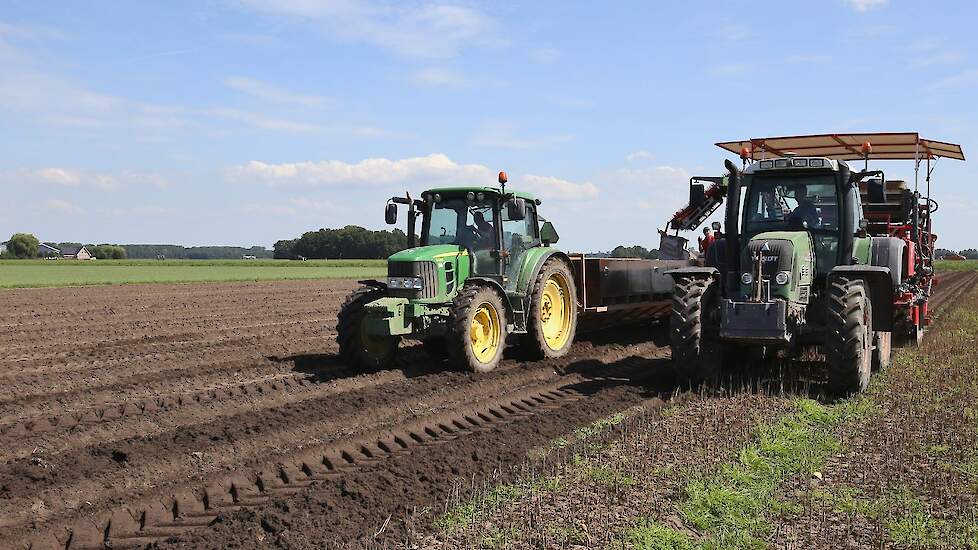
123	398
144	414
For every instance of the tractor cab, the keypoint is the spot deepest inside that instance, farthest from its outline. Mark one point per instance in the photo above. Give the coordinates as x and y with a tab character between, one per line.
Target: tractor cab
494	228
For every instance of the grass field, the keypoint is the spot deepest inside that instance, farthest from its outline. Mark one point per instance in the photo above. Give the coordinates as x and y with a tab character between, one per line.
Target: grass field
47	273
960	265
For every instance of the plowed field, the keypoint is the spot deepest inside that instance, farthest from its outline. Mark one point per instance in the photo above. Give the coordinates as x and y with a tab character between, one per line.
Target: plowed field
214	414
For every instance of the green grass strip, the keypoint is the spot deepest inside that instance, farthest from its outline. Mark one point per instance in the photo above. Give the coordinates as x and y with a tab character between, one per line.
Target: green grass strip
731	507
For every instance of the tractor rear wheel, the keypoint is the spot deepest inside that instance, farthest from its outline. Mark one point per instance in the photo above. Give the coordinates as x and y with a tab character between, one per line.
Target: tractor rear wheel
552	320
357	346
881	350
477	329
849	336
693	331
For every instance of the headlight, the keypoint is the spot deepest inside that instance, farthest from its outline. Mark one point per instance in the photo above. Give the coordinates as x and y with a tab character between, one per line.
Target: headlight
781	278
415	283
747	278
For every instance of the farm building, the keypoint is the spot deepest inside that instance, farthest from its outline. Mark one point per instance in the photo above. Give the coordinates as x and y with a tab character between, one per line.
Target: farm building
46	250
76	253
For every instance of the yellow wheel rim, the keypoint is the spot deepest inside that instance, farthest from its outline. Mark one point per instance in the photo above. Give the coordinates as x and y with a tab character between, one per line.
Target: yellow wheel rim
484	332
555	311
375	346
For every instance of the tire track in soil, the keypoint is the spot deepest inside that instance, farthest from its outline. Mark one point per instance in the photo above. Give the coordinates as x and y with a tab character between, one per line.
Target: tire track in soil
189	508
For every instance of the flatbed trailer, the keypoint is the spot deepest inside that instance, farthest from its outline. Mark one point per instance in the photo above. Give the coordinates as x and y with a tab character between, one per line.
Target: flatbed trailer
613	291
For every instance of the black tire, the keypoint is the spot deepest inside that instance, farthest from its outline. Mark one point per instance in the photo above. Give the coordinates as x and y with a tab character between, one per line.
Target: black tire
434	346
693	331
534	341
849	336
882	347
349	334
459	342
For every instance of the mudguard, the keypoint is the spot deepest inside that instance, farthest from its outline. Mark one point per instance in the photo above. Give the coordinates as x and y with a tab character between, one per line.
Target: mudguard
880	283
888	252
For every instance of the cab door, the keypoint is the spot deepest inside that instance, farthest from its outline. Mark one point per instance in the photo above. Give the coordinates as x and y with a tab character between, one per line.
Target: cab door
518	237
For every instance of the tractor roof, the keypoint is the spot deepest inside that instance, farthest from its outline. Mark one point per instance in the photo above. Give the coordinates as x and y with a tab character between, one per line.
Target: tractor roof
885	146
477	189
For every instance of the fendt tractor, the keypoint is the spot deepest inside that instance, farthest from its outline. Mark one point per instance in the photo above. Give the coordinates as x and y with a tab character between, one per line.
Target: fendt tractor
814	253
486	269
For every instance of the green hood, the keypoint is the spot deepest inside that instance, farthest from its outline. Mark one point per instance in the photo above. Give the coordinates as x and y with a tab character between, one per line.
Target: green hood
423	253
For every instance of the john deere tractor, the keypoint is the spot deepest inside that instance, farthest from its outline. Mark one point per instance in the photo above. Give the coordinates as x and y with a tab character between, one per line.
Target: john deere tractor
795	268
484	269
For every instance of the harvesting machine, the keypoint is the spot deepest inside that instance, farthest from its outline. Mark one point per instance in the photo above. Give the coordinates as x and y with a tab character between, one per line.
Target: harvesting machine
815	253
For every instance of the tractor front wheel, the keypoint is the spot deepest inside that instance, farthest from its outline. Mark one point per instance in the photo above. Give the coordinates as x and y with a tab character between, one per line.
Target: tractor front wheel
693	331
357	346
477	329
552	320
849	338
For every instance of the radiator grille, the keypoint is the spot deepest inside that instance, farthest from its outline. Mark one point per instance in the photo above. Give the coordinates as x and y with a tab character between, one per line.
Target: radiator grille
425	270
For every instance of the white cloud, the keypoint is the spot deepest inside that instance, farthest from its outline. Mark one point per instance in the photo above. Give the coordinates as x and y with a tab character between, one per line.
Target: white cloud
61	206
89	178
439	77
549	187
504	135
863	6
415	29
271	92
639	155
433	169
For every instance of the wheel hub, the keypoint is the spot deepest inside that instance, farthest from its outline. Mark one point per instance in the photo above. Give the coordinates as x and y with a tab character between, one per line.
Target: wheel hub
555	311
484	332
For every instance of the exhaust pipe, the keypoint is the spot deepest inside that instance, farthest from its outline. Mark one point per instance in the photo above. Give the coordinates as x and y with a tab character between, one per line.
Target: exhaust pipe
732	234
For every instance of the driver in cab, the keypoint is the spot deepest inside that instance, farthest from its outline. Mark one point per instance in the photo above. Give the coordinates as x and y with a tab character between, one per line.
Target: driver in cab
805	214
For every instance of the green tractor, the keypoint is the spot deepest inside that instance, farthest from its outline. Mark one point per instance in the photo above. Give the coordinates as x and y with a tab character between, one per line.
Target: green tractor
484	269
814	255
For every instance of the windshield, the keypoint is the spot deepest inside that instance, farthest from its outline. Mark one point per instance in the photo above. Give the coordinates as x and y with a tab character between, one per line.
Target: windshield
778	203
456	221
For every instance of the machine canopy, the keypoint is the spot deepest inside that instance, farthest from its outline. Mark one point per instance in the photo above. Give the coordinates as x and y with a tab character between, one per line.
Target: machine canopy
885	146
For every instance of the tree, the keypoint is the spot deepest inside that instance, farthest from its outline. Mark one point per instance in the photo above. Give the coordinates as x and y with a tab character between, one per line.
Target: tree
23	245
283	249
970	254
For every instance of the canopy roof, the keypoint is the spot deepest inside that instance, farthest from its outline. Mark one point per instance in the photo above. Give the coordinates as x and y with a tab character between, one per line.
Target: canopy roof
886	146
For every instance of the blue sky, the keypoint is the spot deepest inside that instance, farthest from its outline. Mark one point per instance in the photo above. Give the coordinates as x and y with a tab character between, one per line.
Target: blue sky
247	121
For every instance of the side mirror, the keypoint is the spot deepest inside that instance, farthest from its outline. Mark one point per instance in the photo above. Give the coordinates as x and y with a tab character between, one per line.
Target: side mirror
548	235
697	194
516	209
390	213
716	226
876	189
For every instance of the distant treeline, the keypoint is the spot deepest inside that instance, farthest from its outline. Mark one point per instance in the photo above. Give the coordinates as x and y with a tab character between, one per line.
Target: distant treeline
349	242
177	252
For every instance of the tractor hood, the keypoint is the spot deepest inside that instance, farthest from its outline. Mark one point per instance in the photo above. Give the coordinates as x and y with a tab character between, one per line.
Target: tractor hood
781	252
427	253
